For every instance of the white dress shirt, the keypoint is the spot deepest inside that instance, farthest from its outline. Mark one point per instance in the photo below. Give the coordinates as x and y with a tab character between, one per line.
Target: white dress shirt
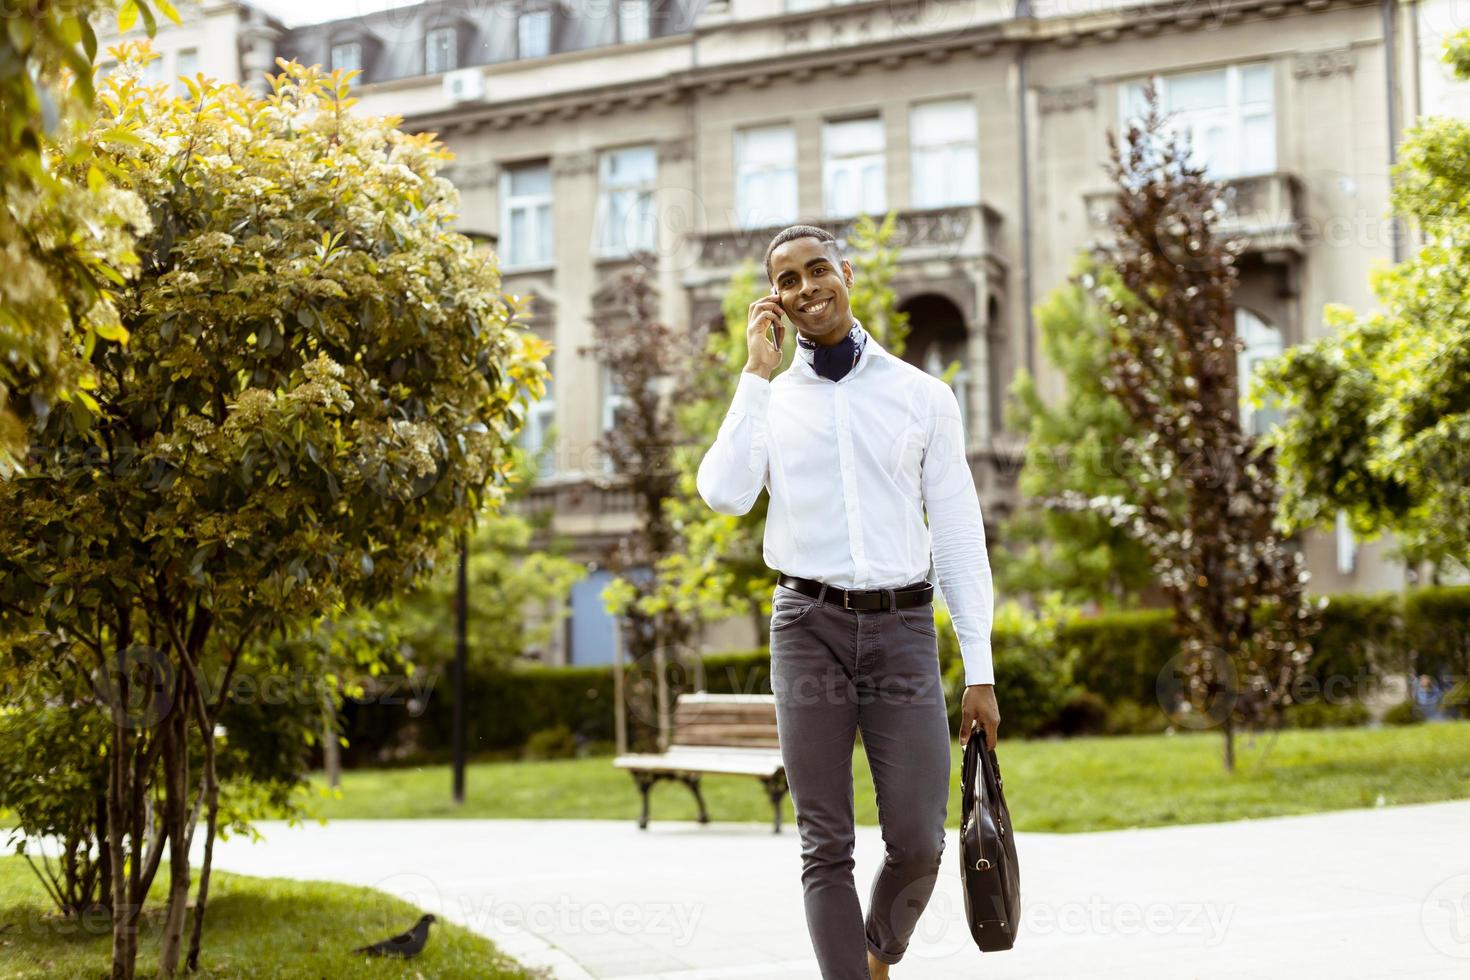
852	467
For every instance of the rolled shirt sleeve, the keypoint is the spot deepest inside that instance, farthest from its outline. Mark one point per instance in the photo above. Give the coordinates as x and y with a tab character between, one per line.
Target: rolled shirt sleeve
737	464
957	537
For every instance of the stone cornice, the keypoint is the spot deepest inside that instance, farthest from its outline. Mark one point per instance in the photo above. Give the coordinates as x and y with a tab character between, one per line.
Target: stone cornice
982	41
1179	16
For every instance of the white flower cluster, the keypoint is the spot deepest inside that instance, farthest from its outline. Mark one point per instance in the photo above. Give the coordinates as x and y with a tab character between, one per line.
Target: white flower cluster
249	410
420	440
322	386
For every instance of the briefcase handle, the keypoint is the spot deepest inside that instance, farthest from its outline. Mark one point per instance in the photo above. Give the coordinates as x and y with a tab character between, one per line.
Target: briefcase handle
972	760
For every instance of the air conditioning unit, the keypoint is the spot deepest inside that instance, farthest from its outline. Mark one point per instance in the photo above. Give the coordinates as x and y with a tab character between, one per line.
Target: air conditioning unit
464	85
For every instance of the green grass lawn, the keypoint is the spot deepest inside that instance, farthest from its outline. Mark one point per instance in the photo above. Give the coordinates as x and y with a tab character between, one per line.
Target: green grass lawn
255	927
1066	785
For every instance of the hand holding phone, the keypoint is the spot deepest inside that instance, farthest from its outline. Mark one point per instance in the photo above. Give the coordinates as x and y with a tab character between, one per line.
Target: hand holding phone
780	321
763	355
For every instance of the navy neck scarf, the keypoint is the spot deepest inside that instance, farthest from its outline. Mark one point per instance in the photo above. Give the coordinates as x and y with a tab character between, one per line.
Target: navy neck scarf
833	361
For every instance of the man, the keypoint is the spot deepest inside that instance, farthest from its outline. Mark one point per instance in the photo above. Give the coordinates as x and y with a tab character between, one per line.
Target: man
855	447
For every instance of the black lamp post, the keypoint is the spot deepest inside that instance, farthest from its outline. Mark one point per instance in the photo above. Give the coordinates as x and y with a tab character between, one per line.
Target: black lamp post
461	619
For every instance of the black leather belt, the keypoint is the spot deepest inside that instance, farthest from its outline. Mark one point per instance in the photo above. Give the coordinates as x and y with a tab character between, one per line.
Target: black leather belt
916	594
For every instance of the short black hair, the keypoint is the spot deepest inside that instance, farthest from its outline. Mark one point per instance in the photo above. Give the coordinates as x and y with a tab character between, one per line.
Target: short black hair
802	231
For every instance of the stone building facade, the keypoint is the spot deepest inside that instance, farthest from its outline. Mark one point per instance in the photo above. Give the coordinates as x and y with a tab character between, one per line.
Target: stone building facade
695	130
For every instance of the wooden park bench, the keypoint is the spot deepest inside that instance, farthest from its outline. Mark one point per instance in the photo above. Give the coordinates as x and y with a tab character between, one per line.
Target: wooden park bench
732	734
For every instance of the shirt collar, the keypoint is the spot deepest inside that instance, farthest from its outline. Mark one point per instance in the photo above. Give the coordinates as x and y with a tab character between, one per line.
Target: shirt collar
868	345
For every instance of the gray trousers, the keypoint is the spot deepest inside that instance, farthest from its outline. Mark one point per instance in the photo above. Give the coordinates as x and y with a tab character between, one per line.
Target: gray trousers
835	672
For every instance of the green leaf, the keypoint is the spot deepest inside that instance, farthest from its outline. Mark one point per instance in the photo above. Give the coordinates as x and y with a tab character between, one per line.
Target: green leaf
150	23
118	134
168	10
115	332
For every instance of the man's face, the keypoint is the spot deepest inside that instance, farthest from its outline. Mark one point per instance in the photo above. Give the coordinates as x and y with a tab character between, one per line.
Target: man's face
812	288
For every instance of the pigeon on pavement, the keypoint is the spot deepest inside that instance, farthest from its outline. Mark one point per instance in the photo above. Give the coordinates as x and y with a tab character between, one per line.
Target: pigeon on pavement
405	944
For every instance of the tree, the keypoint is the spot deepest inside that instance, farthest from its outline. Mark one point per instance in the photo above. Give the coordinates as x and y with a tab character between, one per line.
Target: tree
66	229
320	388
506	573
650	363
1203	496
721	572
53	765
1073	445
1379	408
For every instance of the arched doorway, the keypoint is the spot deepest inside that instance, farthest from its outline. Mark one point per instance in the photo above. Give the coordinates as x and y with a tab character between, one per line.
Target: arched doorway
937	338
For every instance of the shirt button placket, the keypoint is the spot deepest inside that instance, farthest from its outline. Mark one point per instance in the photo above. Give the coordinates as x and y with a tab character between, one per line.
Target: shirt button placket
845	457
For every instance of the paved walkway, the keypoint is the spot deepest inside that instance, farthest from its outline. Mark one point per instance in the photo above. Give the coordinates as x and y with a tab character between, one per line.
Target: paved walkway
1350	895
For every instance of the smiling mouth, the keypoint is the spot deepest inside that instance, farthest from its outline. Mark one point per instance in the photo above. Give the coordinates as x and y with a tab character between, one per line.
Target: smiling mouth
816	309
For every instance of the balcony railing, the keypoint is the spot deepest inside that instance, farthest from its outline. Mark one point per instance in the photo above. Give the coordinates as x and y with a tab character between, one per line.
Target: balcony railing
959	232
1265	209
582	498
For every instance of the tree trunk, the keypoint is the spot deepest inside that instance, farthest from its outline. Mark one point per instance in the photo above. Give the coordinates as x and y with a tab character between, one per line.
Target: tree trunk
1228	730
104	857
620	706
331	748
211	821
176	808
661	696
124	916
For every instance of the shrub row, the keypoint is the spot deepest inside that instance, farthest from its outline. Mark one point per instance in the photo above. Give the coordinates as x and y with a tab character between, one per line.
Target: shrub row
1098	674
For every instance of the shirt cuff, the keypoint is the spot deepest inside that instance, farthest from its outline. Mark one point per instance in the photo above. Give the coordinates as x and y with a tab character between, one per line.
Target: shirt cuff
979	665
752	393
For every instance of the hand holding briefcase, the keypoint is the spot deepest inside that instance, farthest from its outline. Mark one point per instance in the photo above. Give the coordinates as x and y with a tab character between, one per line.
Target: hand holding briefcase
990	873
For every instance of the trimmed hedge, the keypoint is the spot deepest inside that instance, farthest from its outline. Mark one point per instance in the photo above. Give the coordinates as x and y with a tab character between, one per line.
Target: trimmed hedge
1113	658
1437	630
1119	655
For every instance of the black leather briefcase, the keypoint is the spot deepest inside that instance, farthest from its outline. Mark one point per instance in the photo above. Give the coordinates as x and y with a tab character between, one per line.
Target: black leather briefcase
990	874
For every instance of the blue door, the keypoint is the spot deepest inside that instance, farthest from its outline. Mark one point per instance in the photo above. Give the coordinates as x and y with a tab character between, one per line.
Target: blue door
591	628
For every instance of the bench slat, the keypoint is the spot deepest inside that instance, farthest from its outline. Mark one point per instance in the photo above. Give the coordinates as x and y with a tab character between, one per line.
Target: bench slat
706	716
748	741
734	767
723	732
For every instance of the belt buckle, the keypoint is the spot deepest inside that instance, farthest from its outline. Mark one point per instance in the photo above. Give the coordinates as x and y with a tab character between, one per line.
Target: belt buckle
846	595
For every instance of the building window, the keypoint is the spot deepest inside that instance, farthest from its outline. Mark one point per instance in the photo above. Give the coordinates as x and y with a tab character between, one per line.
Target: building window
1227	115
625	217
765	176
852	167
155	72
1262	343
441	50
186	65
525	216
633	20
946	159
539	420
347	56
1347	544
533	31
614	411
